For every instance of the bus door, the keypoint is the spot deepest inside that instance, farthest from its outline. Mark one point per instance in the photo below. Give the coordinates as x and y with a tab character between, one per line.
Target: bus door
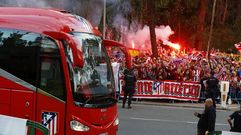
51	96
120	59
18	51
31	79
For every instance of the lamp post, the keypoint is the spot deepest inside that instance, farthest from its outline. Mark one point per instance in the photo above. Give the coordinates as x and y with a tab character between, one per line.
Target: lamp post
210	33
104	20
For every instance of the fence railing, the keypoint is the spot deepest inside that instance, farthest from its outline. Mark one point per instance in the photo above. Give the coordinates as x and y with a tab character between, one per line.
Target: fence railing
33	126
234	95
216	133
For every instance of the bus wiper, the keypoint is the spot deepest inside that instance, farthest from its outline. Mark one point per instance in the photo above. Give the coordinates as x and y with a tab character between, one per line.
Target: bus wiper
88	100
108	101
110	98
83	103
92	98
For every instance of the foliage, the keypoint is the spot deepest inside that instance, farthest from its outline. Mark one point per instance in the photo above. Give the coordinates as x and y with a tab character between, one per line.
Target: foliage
183	17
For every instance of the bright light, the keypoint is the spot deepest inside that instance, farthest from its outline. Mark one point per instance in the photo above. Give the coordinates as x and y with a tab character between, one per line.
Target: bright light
143	47
117	121
175	46
133	44
77	126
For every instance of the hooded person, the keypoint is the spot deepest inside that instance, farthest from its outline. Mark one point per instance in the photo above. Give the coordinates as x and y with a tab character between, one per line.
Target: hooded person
207	119
129	87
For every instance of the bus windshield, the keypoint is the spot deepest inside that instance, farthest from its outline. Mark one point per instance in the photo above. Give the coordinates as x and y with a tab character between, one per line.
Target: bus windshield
94	85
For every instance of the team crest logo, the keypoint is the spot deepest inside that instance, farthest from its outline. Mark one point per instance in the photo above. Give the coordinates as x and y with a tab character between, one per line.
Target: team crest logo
157	85
50	121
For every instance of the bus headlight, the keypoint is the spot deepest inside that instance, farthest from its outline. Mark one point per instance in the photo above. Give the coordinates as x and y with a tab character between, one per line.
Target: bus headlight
77	126
116	122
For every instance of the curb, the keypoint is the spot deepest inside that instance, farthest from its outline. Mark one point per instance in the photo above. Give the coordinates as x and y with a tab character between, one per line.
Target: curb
195	105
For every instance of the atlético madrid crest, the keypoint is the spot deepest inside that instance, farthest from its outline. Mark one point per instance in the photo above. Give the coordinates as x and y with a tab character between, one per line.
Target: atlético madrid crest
50	121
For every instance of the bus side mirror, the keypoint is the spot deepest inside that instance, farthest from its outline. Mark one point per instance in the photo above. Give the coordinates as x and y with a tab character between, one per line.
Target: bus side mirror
124	49
76	51
77	56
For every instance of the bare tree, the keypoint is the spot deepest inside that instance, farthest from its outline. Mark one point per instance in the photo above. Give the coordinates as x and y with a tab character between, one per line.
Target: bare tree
201	23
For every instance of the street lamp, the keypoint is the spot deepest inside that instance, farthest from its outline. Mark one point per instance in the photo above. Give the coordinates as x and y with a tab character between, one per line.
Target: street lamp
211	29
104	19
210	33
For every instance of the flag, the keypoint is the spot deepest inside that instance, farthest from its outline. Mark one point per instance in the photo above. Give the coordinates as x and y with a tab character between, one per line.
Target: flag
238	46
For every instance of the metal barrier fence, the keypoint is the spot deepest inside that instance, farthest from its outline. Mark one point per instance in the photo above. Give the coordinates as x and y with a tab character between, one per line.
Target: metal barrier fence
32	126
215	133
234	95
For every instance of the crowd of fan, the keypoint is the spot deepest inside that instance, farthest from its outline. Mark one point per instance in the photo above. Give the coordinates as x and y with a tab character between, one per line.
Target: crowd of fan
186	66
189	66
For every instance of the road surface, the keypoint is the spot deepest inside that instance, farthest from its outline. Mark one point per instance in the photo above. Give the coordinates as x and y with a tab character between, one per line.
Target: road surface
163	120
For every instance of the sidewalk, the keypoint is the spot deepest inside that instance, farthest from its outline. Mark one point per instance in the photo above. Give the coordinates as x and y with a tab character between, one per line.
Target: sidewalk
186	104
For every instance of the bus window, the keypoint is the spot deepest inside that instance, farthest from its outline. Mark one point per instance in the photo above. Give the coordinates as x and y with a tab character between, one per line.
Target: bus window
95	86
19	55
18	51
51	74
51	77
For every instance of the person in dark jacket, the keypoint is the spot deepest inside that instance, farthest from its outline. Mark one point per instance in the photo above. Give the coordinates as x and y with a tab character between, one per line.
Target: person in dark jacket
129	87
236	117
207	119
212	88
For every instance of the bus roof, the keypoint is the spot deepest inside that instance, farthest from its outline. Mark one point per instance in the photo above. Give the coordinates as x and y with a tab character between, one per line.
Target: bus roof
44	20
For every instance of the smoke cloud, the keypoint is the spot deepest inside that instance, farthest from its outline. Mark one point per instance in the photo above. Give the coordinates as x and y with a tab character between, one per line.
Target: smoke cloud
89	9
92	10
141	37
135	32
25	3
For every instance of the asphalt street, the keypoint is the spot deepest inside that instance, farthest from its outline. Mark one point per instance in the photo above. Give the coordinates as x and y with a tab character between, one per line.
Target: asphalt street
163	120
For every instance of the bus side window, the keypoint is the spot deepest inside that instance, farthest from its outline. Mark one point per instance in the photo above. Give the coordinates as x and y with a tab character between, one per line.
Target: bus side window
68	51
18	53
51	79
70	61
51	73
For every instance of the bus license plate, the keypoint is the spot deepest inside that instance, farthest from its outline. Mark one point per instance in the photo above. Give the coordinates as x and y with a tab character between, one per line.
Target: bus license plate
104	134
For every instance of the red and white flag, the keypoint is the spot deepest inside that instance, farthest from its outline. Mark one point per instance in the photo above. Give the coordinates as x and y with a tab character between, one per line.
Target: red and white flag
238	46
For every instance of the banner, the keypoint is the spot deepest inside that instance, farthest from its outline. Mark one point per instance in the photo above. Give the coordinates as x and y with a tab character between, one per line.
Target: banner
134	52
12	125
165	90
230	133
224	88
